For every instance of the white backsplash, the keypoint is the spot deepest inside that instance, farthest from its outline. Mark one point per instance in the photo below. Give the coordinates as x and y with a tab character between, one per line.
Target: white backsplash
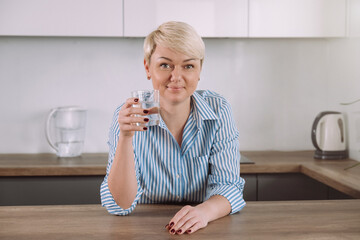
276	86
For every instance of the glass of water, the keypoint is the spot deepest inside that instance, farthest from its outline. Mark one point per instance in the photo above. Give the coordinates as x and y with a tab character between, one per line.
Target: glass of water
148	99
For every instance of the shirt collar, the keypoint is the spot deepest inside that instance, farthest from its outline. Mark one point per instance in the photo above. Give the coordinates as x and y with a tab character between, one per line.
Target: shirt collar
162	123
202	109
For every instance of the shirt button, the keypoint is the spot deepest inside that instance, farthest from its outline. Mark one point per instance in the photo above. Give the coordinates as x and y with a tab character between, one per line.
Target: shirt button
177	176
178	197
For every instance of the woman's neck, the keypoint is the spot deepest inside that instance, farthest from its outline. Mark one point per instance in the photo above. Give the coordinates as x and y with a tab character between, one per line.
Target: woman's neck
175	117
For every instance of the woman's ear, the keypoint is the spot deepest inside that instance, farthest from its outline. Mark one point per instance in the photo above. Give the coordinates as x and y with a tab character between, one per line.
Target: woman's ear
146	65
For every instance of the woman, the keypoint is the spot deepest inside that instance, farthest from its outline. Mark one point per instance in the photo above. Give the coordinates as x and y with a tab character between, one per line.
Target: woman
192	156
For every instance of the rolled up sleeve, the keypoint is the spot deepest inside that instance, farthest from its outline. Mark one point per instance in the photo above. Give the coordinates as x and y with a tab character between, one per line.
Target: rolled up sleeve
224	178
107	200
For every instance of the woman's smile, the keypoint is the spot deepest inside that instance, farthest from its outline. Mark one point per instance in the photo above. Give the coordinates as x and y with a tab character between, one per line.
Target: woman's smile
175	88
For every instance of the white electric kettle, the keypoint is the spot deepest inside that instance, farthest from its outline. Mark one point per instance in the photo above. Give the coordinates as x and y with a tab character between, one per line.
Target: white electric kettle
65	130
329	136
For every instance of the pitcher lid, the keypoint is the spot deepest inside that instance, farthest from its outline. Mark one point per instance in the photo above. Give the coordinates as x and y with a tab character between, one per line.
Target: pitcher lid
70	108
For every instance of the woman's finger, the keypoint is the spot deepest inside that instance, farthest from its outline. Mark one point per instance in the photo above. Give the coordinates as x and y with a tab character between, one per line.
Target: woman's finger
194	228
128	128
134	111
134	120
187	225
177	221
153	110
130	102
182	212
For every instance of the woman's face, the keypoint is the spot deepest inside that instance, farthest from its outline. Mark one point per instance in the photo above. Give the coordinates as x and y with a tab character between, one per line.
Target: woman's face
175	75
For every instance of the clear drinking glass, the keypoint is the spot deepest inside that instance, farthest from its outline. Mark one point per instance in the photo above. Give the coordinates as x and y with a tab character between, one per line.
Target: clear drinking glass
148	99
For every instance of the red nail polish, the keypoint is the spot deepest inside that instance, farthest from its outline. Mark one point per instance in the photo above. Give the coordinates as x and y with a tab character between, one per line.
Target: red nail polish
188	231
136	100
146	111
146	119
179	231
172	231
145	128
171	224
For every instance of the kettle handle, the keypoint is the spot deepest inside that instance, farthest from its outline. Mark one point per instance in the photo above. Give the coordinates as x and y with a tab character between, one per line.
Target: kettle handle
314	127
47	129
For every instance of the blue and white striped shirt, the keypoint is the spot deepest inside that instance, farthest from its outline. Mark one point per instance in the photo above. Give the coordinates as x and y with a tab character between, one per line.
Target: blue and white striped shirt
206	164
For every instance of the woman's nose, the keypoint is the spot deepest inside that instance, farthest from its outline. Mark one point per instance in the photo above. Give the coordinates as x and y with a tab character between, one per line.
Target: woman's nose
176	74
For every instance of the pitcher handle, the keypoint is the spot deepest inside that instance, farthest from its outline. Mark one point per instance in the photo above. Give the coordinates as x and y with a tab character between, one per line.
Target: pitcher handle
47	129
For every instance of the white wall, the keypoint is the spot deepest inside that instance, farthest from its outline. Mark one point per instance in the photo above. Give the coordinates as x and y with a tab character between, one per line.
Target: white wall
276	86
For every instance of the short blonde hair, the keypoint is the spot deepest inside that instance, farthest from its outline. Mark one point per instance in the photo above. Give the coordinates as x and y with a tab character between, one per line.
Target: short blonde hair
178	36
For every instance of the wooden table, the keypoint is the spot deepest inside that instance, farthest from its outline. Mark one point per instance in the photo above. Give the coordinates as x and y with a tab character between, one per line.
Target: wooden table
328	219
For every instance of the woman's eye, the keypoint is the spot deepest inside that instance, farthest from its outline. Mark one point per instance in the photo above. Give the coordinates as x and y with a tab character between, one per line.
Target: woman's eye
189	66
164	65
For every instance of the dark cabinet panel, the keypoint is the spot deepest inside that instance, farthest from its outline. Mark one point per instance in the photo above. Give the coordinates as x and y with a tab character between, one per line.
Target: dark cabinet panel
250	189
335	194
85	189
293	186
50	190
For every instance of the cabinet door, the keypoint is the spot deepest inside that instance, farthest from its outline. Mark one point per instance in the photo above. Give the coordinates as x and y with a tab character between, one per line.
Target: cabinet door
354	29
297	18
211	18
61	18
50	190
289	186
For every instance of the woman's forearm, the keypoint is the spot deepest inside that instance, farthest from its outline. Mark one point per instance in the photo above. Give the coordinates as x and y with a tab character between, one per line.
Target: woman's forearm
122	178
215	207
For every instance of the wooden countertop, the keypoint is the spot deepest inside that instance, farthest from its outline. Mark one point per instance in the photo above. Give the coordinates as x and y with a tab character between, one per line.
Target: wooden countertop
329	172
47	164
328	219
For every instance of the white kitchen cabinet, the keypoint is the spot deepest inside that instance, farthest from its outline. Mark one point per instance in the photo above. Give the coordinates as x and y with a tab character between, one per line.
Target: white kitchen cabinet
297	18
211	18
61	18
354	18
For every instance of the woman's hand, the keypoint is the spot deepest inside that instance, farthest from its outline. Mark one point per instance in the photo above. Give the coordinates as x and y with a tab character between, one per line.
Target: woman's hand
188	220
127	120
